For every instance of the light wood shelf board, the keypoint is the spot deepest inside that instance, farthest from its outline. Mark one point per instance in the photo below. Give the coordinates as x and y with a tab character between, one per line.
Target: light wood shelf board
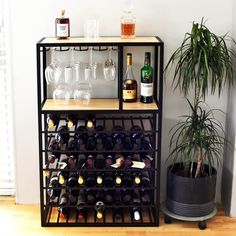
140	106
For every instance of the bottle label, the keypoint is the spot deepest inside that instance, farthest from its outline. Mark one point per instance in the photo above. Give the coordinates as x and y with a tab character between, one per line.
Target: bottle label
146	89
129	94
62	30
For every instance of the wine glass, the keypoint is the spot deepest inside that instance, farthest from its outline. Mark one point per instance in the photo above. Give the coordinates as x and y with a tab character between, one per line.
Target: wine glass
83	93
53	71
91	67
109	68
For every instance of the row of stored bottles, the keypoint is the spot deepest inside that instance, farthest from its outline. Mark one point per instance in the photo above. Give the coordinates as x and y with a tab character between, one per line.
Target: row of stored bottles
99	200
101	171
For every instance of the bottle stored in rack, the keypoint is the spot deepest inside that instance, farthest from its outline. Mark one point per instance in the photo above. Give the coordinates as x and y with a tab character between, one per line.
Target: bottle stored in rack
52	120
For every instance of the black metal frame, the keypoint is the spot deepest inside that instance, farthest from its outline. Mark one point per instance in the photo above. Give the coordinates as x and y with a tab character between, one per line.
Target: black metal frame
155	118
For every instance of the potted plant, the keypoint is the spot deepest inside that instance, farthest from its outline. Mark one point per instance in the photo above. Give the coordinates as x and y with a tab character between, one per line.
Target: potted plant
203	63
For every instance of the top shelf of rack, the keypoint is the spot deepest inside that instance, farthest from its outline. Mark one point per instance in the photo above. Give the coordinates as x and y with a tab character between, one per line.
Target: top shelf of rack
83	40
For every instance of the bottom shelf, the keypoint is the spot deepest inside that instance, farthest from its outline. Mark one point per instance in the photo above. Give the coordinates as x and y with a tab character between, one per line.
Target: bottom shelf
148	217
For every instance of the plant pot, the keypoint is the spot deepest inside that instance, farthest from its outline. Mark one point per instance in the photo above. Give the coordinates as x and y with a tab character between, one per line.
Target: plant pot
191	197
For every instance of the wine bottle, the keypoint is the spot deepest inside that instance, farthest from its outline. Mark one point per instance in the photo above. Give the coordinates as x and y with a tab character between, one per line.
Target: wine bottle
99	161
90	196
99	178
90	145
109	144
117	135
72	183
80	135
128	161
117	214
62	26
147	80
108	196
117	197
72	120
63	173
137	178
137	135
63	209
136	214
63	135
72	199
146	145
130	86
52	120
80	209
99	135
128	145
99	195
127	179
90	121
108	176
54	190
90	179
90	162
99	207
127	196
54	151
145	179
81	165
72	154
118	178
147	159
146	196
136	197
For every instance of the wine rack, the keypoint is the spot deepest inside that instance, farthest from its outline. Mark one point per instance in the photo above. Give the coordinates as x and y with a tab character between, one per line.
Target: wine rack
109	113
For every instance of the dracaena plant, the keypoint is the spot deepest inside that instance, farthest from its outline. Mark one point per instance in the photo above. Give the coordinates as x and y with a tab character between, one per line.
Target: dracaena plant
203	63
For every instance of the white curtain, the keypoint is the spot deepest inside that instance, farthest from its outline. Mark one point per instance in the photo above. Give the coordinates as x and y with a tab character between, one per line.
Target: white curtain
7	183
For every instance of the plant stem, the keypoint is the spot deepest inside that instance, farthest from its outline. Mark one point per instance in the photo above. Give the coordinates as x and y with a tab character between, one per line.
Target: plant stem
198	154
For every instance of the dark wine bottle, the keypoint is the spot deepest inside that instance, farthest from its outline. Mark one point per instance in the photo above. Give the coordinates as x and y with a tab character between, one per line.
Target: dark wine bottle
136	197
128	161
147	159
99	165
99	208
54	151
99	178
72	154
109	144
108	176
80	205
146	145
117	214
108	196
145	179
137	135
90	144
128	145
146	196
117	135
63	173
52	120
90	196
137	178
90	179
81	165
99	195
72	183
72	199
90	121
127	196
118	178
99	135
117	197
127	179
80	135
63	209
90	162
54	190
72	120
63	135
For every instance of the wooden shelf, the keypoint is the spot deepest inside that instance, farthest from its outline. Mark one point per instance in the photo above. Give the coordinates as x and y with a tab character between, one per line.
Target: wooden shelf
100	40
95	104
140	106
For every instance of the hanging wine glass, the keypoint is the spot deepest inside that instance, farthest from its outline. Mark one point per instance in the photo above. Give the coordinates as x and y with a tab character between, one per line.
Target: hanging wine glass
53	71
109	68
91	67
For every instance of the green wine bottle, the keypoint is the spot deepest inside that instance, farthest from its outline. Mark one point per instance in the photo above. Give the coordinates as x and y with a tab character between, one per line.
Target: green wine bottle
147	80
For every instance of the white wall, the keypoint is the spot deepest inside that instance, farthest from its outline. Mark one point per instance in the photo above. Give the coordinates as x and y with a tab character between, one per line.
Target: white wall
32	20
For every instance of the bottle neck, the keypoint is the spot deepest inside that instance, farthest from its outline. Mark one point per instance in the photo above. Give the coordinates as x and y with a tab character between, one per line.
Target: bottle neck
147	61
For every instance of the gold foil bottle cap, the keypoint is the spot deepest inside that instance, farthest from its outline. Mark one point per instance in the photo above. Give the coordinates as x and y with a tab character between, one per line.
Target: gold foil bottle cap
129	59
70	124
89	124
118	180
99	180
80	180
61	179
99	215
137	180
63	13
50	123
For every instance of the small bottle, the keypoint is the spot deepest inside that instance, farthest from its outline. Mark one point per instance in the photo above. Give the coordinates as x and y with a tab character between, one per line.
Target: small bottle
130	86
128	25
147	80
52	120
72	120
62	25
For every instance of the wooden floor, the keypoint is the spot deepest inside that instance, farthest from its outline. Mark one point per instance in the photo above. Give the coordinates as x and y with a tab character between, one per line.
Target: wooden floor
25	220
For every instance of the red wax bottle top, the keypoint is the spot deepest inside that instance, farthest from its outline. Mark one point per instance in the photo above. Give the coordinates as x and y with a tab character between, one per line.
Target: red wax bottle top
81	216
90	161
108	161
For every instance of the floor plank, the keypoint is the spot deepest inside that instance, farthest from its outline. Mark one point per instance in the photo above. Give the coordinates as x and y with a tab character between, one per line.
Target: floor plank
23	220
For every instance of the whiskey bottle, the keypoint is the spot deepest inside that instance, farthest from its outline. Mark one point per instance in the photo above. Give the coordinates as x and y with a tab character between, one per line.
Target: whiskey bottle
130	86
62	26
147	80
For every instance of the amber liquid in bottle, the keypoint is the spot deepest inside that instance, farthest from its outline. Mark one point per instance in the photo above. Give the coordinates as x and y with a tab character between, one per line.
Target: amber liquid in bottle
129	84
62	26
127	30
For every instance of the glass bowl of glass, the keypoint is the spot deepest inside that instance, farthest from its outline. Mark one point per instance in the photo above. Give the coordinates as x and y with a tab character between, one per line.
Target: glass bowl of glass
83	93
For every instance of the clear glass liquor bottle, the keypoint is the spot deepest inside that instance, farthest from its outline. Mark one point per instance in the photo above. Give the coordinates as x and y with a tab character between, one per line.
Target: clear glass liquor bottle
130	85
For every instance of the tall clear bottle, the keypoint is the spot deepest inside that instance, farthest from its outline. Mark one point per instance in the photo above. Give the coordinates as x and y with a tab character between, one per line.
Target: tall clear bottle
130	85
147	80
